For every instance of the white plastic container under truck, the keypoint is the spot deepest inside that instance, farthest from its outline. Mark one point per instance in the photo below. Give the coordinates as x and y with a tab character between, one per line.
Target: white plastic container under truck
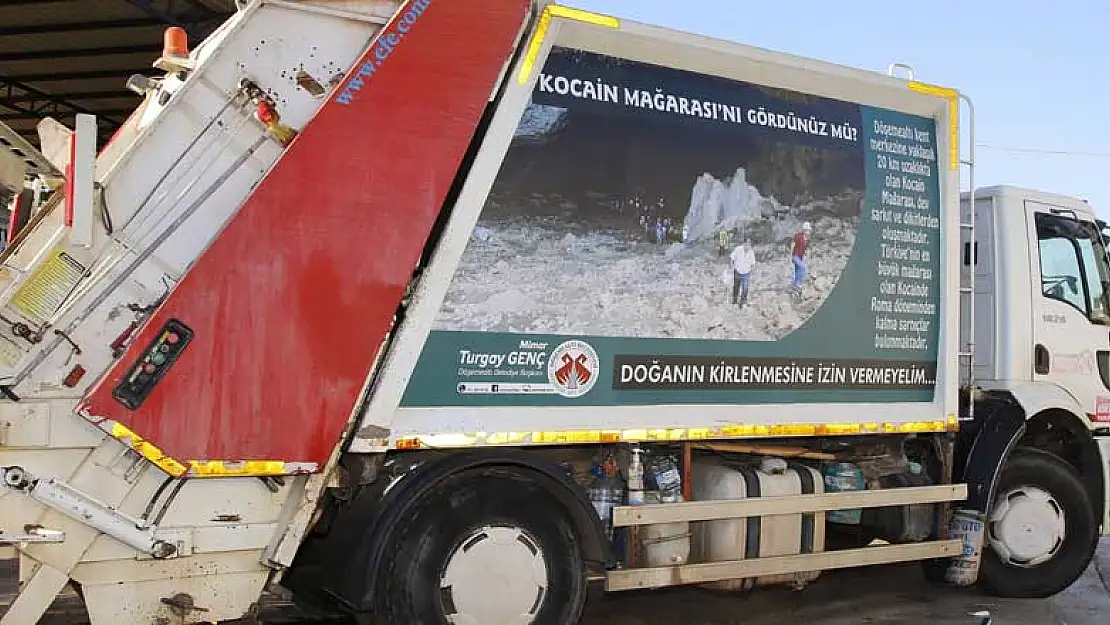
405	330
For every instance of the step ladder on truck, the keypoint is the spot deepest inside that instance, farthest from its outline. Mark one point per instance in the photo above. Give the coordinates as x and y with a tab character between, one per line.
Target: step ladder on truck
395	394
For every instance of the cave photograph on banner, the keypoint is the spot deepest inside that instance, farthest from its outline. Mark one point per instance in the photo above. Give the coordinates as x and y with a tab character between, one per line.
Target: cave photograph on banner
612	219
659	236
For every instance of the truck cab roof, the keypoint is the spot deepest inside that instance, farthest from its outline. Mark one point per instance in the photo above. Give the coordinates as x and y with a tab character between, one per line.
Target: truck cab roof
1024	193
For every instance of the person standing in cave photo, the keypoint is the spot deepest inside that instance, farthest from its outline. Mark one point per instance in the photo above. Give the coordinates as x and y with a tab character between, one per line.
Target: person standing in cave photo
743	261
722	241
645	218
798	255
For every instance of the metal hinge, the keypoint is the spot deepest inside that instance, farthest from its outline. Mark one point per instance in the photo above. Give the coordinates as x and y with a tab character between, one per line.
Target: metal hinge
33	534
67	500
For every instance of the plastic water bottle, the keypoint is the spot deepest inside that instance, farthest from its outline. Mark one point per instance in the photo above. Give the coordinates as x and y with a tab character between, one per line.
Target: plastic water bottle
605	492
663	473
843	477
636	479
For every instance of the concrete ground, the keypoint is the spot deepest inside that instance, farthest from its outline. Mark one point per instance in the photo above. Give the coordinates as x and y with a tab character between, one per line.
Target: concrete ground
889	595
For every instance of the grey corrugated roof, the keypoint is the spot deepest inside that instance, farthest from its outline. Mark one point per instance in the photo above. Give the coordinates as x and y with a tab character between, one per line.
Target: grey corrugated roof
60	57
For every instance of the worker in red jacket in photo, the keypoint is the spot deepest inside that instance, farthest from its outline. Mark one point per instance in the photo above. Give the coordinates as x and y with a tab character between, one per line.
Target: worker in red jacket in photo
798	255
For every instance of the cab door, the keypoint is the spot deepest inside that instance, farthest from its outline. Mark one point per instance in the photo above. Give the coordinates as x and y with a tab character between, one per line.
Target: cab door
1071	325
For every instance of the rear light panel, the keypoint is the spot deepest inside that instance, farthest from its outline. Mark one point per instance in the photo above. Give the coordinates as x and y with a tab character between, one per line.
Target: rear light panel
153	364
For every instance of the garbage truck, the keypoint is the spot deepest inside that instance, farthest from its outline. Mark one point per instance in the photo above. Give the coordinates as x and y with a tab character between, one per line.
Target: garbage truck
414	312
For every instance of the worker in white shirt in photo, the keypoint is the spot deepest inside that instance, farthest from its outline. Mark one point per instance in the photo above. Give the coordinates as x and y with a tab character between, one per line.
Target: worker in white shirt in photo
743	261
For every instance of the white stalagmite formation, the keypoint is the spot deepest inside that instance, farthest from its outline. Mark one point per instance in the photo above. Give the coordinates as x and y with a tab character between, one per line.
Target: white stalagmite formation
733	204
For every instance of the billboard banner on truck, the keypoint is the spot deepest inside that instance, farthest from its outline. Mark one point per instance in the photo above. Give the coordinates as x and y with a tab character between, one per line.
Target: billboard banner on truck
657	236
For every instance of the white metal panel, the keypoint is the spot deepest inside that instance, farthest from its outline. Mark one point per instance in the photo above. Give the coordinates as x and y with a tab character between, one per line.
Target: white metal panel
83	181
131	592
697	53
247	500
985	298
1013	281
39	424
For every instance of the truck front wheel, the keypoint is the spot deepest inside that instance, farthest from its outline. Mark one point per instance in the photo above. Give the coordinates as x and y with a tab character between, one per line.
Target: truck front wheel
486	546
1041	532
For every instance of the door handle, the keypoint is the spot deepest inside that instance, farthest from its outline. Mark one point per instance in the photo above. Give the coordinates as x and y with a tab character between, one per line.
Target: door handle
1040	360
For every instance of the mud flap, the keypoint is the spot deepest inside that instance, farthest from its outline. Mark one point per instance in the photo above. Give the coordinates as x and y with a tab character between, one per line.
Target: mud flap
998	433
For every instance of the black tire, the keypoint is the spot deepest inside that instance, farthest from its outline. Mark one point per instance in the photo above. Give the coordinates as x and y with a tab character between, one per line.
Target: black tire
1049	472
409	582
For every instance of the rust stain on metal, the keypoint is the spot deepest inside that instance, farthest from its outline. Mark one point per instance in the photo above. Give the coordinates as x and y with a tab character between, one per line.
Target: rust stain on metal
373	431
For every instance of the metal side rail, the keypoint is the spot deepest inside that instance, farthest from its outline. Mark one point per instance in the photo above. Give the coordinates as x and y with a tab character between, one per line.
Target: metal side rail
659	577
967	272
652	514
664	576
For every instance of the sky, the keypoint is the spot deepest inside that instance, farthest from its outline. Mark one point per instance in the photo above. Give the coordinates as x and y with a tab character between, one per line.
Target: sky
1037	73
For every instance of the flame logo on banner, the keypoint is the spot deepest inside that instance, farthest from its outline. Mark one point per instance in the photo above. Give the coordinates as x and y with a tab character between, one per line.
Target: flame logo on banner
574	371
573	368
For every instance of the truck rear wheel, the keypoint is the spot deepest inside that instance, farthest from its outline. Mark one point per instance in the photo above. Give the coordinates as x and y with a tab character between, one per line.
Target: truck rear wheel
1041	532
487	547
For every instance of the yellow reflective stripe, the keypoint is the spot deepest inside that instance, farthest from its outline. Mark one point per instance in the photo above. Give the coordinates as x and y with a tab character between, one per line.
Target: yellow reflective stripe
914	427
205	468
247	468
578	15
553	11
953	98
147	450
562	437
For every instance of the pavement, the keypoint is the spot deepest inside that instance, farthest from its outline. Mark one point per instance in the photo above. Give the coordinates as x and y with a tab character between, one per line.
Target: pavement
890	595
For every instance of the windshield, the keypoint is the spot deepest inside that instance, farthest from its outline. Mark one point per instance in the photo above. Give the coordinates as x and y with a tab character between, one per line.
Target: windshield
1074	266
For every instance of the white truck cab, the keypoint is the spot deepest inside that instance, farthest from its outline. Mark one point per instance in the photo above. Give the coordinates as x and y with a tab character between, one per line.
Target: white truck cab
1042	323
1042	339
1042	287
